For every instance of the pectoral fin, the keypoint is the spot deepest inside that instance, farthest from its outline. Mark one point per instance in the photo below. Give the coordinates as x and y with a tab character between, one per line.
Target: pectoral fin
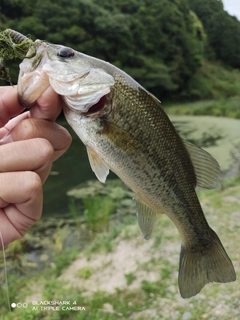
120	138
206	168
97	165
146	219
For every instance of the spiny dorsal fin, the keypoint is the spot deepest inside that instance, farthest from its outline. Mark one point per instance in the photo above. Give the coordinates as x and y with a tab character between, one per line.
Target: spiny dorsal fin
146	219
97	165
206	168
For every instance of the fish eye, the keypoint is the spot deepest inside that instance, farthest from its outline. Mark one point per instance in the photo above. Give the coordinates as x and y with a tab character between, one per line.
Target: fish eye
65	52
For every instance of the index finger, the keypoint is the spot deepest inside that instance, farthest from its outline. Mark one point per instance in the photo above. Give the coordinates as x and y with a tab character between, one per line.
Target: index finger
48	106
9	104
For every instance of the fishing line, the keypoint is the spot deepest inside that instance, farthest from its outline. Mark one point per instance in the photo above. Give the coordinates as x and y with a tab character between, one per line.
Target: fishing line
5	271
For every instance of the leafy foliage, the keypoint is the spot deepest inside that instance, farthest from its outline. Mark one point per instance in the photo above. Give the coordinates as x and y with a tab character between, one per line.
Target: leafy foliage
223	30
153	40
161	43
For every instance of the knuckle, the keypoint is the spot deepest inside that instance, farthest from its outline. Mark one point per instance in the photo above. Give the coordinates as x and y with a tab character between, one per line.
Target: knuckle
45	149
66	138
33	182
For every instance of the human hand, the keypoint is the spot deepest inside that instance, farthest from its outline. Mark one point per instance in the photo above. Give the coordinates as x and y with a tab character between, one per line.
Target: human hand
29	143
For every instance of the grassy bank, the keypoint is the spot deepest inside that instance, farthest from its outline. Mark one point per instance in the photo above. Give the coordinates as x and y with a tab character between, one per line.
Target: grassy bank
227	107
215	91
115	274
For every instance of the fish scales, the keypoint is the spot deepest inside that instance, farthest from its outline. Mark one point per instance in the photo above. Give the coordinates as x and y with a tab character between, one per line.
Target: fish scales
125	130
159	146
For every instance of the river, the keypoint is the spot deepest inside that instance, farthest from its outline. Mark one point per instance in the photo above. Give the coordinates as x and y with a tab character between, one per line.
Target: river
219	136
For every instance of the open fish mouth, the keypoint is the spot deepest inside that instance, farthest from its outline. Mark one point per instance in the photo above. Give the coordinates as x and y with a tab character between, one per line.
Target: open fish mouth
96	108
83	87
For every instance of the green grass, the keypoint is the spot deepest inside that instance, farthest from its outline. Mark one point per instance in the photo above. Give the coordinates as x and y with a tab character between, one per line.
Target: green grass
85	273
98	211
64	259
130	278
106	241
219	108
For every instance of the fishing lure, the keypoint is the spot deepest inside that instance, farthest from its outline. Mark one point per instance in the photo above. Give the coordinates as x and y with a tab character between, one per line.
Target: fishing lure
13	45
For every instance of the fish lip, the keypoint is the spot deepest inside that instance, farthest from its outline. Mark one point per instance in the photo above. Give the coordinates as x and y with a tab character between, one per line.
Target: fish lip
32	66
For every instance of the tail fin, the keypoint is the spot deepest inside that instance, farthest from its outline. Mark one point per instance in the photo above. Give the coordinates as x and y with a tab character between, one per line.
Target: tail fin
199	267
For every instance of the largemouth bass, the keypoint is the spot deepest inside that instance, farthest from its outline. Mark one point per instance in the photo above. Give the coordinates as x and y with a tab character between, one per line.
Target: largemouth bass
126	130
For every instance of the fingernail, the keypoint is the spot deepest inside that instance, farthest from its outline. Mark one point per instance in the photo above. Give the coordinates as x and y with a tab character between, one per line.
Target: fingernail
6	139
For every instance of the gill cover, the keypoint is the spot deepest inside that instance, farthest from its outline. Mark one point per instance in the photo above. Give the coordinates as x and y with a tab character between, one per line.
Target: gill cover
79	83
81	87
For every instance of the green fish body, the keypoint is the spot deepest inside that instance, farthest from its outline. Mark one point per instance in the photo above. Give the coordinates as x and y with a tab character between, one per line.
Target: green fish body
126	130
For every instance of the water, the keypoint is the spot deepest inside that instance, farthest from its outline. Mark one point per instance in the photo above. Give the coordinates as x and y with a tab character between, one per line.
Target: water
219	136
68	171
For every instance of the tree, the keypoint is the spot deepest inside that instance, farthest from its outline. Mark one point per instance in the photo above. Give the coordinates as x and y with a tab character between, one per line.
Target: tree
155	41
223	30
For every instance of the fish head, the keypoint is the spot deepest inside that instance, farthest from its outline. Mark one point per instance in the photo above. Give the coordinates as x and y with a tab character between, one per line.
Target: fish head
79	79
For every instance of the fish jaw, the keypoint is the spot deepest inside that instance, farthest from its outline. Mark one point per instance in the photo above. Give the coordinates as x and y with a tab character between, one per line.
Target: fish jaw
79	81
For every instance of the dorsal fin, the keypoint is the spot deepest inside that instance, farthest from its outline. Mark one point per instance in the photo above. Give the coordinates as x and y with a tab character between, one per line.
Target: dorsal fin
147	218
206	168
97	165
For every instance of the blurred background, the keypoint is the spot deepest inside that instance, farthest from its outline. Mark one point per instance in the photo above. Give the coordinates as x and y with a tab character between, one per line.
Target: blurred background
87	246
